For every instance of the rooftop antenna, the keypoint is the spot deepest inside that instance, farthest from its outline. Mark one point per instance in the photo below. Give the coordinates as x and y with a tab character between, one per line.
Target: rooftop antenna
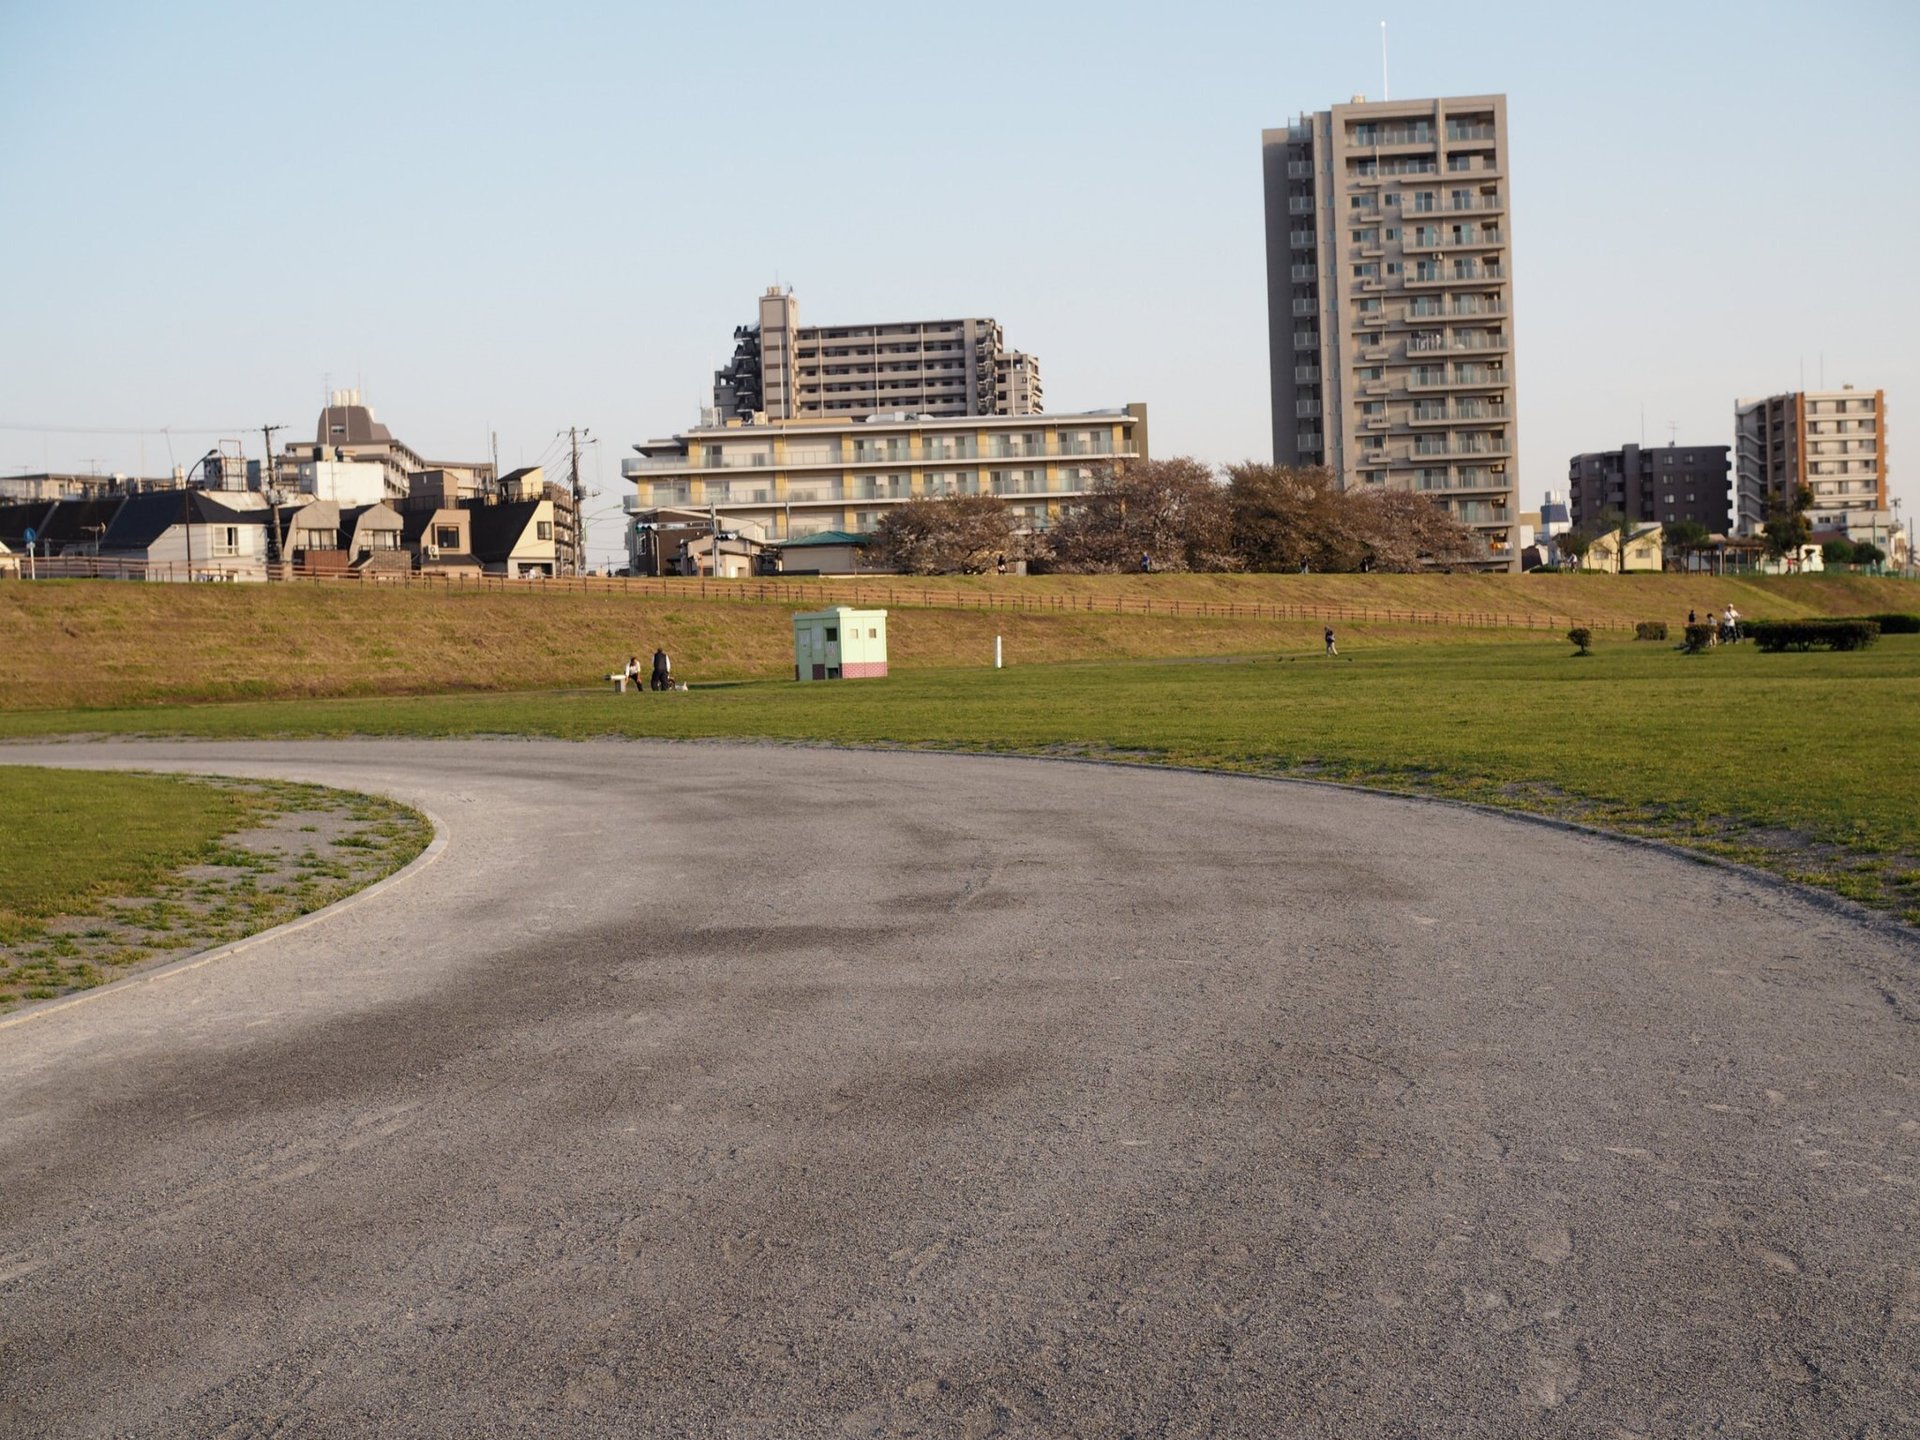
1385	93
1673	433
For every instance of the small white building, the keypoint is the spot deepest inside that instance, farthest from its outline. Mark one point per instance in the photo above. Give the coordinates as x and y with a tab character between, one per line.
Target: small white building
840	643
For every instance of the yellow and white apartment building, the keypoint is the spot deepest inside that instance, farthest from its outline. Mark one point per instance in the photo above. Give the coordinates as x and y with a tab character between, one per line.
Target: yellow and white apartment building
786	479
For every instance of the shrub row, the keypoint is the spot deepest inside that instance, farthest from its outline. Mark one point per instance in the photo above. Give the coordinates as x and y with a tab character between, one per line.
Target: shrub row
1894	623
1777	635
1699	637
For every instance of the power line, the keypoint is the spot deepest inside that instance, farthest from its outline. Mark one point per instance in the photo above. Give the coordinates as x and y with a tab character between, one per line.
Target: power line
126	430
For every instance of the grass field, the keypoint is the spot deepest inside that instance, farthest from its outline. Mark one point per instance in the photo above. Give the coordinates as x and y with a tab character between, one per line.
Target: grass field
104	643
1801	764
101	872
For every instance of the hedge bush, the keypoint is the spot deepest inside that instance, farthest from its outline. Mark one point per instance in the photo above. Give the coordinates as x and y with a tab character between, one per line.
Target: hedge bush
1892	622
1650	630
1778	635
1698	637
1583	637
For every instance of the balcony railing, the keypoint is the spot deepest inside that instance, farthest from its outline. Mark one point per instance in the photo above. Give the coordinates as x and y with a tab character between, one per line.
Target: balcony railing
1456	414
1299	169
1300	205
1302	239
1306	374
1475	275
1305	272
1306	307
1302	340
1465	377
1306	409
1465	130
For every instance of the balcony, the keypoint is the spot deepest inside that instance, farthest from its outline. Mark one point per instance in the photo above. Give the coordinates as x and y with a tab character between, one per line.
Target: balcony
1457	414
1468	377
1306	374
1306	409
1478	202
1305	272
1303	340
1464	130
1300	205
1476	275
1489	451
1299	169
1306	307
1302	239
1363	137
1486	239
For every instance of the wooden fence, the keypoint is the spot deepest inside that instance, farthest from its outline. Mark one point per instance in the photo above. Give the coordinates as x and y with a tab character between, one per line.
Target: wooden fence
814	593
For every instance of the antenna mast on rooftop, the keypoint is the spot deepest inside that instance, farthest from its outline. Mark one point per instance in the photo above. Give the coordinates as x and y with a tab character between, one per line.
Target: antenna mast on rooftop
1385	93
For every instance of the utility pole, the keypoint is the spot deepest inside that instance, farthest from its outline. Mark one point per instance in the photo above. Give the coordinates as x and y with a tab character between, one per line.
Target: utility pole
271	486
575	434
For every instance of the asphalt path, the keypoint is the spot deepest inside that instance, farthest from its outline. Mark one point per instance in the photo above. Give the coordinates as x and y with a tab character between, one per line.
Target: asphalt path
753	1091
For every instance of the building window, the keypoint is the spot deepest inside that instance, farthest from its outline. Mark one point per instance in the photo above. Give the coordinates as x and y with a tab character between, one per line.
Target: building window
446	537
543	529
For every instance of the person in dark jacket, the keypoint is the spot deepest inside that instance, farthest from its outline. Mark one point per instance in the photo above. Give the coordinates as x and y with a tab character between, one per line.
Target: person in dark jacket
662	671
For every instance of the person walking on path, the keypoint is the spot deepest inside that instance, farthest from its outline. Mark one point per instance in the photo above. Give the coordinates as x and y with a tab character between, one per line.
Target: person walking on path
662	671
1331	648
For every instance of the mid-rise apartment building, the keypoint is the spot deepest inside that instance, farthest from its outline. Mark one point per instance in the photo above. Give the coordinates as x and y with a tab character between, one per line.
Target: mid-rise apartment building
784	480
1834	442
1667	483
1390	303
784	370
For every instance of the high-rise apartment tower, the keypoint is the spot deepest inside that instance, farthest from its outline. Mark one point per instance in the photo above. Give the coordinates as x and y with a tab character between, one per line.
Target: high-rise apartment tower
1833	442
788	371
1390	303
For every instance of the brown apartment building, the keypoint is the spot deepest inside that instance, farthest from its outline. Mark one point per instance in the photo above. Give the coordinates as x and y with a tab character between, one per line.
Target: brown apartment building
1390	303
784	370
1833	442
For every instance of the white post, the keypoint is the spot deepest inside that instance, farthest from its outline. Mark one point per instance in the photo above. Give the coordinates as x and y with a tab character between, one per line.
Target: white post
996	652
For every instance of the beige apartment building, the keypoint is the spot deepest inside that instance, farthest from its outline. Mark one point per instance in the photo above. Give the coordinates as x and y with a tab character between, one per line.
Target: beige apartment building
1834	442
1390	303
785	480
784	370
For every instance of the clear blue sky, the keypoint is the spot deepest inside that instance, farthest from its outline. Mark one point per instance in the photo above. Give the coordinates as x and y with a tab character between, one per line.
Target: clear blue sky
518	217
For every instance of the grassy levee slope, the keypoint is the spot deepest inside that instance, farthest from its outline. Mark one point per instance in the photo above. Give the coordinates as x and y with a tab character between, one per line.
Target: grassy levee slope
106	644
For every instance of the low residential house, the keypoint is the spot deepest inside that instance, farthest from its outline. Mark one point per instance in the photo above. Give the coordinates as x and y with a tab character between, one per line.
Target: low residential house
514	537
187	534
827	552
440	540
659	544
312	531
739	555
372	540
60	527
1645	547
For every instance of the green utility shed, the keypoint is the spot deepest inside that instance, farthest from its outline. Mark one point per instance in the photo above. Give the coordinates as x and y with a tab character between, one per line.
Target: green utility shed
840	643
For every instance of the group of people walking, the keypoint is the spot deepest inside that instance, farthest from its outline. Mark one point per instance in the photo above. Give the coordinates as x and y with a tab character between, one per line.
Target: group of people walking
661	677
1723	629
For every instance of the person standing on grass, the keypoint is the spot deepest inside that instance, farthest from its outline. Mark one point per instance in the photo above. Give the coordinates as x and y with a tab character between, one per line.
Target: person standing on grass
633	672
1146	563
662	670
1331	648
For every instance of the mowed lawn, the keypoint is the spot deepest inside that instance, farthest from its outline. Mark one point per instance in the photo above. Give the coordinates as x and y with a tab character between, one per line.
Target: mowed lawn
70	837
1800	763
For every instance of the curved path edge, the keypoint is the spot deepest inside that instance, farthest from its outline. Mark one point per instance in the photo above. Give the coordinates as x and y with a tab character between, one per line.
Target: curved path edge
435	847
